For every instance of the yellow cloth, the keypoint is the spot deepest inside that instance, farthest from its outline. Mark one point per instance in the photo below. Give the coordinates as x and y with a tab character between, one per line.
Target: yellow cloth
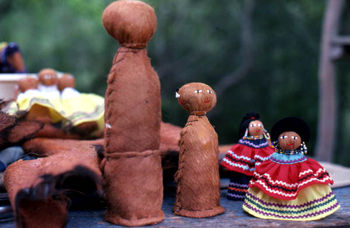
84	108
71	112
313	203
2	45
54	106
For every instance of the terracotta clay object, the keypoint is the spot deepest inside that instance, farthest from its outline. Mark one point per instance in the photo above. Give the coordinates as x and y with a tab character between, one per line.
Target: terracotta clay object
132	164
198	190
41	190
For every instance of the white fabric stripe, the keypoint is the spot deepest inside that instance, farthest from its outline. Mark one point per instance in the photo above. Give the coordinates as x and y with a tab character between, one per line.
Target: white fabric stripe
245	167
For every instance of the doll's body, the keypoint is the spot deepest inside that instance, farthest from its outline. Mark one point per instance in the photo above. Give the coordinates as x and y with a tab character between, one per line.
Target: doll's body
82	112
136	90
28	88
66	85
48	83
252	149
198	192
132	164
290	186
54	100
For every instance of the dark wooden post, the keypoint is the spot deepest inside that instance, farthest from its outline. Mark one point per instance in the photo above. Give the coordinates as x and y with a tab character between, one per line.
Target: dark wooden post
327	124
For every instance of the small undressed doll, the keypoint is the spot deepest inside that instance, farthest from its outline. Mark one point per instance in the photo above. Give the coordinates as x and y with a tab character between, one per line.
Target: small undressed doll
48	83
290	186
66	85
252	149
39	97
198	181
82	111
28	88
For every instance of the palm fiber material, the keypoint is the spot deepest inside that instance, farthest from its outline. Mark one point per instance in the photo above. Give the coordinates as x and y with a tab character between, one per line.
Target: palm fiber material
133	196
15	131
39	190
198	189
132	165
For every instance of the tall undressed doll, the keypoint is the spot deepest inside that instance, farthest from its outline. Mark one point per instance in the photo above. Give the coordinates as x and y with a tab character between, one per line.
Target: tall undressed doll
290	186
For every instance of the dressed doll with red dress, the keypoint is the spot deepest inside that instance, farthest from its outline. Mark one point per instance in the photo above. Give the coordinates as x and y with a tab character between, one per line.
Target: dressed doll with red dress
290	186
253	148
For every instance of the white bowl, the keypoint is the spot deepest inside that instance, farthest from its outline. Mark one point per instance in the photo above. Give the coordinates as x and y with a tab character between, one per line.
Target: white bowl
9	85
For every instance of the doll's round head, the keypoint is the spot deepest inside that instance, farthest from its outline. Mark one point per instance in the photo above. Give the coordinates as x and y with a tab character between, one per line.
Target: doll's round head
256	128
132	23
27	83
290	132
196	97
251	122
48	77
66	81
289	140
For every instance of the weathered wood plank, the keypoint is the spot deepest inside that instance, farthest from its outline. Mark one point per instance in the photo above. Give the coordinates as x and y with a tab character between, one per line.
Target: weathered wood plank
233	217
341	40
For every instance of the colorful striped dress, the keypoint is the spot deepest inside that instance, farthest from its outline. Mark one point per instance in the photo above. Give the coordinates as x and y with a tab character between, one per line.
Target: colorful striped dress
290	187
241	159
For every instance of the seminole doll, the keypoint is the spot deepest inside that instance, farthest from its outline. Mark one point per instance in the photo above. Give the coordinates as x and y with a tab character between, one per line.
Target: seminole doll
197	177
252	149
290	186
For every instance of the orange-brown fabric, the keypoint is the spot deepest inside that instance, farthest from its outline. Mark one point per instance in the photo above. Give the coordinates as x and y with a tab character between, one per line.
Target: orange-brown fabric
43	147
197	98
23	131
6	121
169	137
198	189
132	119
16	131
38	188
132	103
51	131
133	191
132	23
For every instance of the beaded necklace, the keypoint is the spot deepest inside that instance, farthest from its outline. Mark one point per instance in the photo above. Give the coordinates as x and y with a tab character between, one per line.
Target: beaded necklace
301	150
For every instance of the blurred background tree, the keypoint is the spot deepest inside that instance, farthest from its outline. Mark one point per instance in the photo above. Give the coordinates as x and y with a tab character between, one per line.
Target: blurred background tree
258	55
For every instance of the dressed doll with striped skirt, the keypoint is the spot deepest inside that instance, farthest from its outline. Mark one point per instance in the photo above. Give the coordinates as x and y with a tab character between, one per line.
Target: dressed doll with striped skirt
290	186
252	149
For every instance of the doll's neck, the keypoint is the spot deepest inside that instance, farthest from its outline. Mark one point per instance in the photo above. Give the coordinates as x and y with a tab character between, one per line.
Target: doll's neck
254	137
289	152
198	113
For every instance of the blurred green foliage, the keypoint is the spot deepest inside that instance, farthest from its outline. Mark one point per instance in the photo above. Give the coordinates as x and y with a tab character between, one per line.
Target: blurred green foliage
195	41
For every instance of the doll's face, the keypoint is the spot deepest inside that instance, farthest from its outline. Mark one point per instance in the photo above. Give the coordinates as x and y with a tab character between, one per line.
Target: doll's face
66	81
196	97
48	77
28	83
256	128
289	140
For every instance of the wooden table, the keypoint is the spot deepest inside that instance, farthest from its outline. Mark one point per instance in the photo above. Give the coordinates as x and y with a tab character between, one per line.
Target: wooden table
233	217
